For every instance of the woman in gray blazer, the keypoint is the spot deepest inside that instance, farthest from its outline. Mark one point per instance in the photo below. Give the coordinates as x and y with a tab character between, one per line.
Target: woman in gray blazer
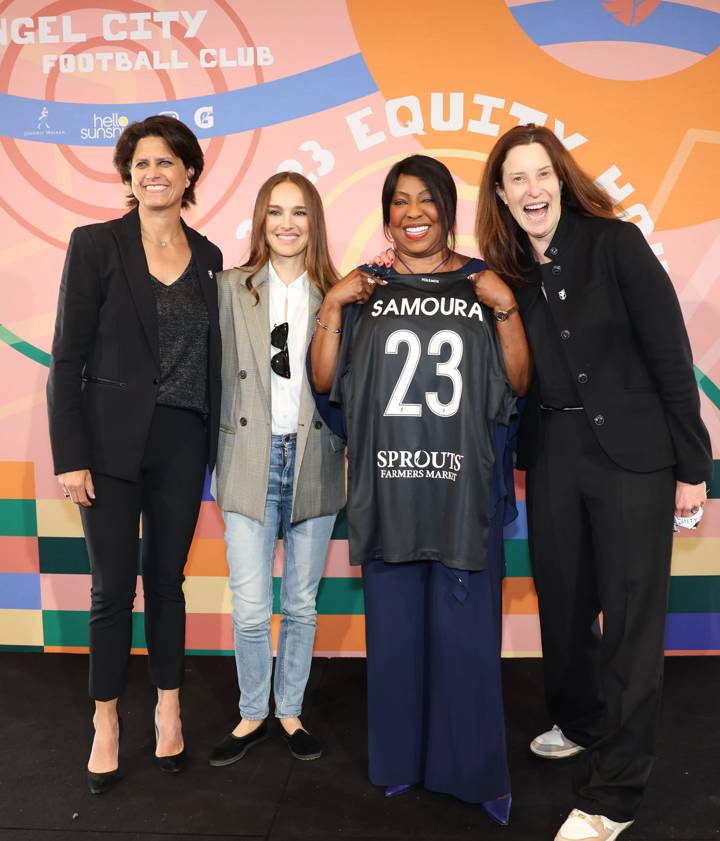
277	461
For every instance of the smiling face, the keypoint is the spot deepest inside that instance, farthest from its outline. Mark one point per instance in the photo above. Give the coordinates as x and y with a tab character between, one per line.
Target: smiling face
158	177
414	222
287	227
531	190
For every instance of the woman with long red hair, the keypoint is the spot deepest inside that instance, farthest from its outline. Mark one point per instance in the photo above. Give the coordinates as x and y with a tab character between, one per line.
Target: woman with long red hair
613	445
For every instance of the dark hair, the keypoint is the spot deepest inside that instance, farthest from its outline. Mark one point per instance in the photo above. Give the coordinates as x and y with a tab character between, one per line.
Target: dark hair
179	138
321	271
438	180
497	232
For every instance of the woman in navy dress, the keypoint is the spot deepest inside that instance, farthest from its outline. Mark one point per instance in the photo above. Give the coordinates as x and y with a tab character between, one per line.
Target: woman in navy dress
435	711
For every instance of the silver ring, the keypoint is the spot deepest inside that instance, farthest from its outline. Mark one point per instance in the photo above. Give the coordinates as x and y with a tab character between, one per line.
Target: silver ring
371	282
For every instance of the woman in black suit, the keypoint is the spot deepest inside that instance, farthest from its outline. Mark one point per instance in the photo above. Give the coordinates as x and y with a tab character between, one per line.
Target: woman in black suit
613	444
133	401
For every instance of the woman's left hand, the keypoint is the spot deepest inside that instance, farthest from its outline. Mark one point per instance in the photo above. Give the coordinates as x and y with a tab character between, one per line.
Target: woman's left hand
491	290
689	498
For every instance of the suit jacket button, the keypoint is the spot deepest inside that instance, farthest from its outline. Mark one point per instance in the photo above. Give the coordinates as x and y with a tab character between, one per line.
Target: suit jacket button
243	374
565	335
552	251
243	421
556	269
582	378
156	381
599	420
318	424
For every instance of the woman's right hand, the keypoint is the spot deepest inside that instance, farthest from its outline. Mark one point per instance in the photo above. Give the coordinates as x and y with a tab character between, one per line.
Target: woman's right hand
355	288
384	258
78	486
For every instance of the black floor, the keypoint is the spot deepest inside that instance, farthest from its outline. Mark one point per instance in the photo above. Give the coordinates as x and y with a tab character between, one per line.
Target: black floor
268	796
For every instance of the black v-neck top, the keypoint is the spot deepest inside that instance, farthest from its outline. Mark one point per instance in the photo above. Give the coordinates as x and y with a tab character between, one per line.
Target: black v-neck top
183	329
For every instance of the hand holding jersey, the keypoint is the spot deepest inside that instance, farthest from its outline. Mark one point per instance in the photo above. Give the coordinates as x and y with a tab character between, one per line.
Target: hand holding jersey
492	291
355	288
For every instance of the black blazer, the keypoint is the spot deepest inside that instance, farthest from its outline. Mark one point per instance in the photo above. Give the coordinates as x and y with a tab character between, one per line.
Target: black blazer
105	368
625	343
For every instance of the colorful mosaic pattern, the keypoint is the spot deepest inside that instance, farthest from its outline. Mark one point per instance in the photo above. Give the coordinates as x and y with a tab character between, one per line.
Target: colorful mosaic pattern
45	583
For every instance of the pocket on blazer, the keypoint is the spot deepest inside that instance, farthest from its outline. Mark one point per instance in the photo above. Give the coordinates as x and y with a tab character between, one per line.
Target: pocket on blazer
103	381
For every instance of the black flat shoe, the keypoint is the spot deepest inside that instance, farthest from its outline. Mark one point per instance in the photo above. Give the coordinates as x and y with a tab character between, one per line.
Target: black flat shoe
302	745
169	764
232	748
99	783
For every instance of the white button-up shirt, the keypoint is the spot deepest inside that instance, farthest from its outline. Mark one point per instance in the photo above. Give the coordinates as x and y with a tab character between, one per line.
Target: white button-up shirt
288	302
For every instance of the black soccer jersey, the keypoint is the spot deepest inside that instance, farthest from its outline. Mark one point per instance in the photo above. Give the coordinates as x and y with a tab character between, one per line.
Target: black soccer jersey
422	384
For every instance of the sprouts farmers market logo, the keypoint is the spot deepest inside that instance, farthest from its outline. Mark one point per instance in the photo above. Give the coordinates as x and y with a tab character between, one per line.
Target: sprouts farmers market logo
107	127
420	464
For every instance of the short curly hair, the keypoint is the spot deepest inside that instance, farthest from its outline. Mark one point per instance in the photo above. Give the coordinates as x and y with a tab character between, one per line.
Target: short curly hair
178	137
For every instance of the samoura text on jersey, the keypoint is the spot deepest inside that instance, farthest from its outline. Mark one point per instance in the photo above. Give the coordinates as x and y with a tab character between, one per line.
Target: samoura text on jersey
427	306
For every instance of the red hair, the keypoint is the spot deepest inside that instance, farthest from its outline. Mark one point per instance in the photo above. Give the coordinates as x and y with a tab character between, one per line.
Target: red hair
496	230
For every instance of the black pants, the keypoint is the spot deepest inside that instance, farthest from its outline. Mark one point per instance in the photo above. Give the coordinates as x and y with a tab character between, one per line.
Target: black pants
600	541
167	495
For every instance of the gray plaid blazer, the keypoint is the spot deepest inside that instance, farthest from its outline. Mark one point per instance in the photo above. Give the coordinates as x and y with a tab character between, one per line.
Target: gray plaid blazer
240	481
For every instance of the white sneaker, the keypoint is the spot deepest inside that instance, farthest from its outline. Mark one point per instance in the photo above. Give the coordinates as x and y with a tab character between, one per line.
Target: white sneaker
580	826
553	744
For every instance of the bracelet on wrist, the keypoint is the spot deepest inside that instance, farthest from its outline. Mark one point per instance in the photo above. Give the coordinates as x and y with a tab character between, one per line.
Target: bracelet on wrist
325	326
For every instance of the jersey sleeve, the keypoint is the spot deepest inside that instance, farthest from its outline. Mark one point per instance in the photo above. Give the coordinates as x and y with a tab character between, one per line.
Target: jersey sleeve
502	400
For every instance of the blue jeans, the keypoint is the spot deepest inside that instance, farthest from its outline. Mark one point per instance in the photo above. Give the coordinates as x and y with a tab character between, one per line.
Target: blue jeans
250	552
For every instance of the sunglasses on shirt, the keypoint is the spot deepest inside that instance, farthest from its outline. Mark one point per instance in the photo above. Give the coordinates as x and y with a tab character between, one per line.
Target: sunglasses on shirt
280	362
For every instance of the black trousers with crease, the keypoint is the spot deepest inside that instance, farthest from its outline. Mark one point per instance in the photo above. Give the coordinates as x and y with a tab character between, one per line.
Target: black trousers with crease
600	542
167	495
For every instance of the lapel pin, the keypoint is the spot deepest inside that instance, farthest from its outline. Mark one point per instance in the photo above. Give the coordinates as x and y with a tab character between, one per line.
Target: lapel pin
562	294
210	274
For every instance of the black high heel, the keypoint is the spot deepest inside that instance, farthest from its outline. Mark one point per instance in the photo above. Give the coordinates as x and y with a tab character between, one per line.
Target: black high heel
99	783
169	764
